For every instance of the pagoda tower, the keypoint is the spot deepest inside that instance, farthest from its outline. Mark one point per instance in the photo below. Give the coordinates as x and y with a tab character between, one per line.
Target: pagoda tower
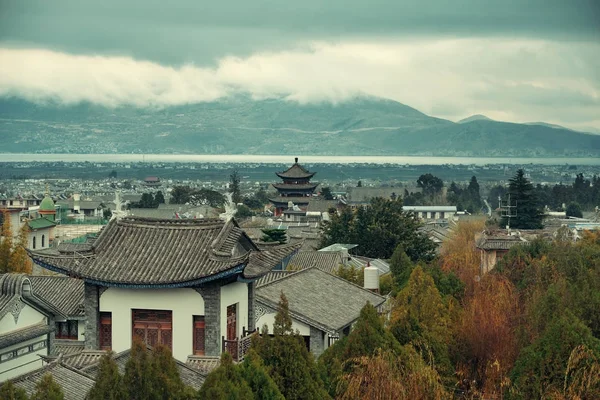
295	188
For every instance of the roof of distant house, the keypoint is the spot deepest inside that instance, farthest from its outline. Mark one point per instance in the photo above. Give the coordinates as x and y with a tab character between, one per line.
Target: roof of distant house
65	293
40	223
328	261
146	252
498	242
75	384
318	298
430	208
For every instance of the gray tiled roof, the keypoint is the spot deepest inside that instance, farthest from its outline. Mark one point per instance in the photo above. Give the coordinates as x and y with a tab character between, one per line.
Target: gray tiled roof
328	261
319	299
21	335
83	358
67	347
11	293
272	277
299	186
75	384
295	171
498	242
204	364
190	376
63	292
145	251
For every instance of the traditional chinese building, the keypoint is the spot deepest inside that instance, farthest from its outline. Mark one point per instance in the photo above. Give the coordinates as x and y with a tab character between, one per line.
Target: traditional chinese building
295	188
188	284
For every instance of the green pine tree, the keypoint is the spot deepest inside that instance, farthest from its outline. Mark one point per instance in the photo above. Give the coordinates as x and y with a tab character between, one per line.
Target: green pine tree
108	384
8	391
400	267
291	365
274	235
166	380
138	380
256	375
225	383
48	389
528	211
6	242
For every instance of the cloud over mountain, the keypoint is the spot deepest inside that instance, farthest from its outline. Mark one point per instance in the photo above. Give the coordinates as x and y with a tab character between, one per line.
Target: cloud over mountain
506	79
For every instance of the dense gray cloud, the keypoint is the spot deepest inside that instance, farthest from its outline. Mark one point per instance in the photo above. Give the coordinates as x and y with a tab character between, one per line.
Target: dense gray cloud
511	60
201	31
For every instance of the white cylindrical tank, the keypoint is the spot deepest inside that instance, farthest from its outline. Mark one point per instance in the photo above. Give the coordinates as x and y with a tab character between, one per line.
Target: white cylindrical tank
371	278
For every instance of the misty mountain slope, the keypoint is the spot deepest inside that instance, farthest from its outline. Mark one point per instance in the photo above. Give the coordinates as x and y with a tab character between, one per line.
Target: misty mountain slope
240	125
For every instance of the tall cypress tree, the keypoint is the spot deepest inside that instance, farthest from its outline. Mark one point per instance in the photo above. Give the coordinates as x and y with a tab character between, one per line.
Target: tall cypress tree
225	383
6	242
167	382
528	210
48	389
291	366
256	375
108	384
8	391
138	380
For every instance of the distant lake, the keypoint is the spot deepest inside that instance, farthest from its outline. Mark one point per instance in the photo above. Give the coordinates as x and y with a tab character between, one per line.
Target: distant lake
288	159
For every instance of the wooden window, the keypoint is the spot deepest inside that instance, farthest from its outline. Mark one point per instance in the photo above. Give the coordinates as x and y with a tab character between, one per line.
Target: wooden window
154	327
34	243
43	240
106	331
66	330
199	335
232	322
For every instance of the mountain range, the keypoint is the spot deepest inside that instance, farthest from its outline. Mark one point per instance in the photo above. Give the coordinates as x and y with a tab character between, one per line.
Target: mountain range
242	125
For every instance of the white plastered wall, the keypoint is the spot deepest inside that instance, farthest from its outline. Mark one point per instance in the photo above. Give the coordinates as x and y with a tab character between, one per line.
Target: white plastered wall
269	320
183	302
236	292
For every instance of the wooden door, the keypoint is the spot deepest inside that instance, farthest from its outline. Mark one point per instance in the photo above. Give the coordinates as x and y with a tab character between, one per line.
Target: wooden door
232	322
153	327
105	331
232	331
199	335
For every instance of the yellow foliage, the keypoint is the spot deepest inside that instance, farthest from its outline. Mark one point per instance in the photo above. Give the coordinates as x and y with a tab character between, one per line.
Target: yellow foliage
459	254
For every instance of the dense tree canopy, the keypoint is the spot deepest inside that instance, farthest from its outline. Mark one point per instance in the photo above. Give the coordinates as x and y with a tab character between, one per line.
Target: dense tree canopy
378	229
203	196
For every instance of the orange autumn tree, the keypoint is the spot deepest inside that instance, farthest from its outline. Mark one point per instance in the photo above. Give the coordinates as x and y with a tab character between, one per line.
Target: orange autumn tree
486	335
19	260
459	254
6	242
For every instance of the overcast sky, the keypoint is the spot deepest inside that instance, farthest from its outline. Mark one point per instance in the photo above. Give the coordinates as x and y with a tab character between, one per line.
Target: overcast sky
515	60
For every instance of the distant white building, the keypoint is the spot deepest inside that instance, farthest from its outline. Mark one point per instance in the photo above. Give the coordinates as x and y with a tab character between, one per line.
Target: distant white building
432	212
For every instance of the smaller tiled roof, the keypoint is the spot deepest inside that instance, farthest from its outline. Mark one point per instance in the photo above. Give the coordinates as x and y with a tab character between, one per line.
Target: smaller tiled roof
296	171
21	335
83	358
204	364
339	247
319	299
498	242
328	261
190	376
75	384
65	293
362	262
272	277
293	186
430	208
67	347
12	291
283	201
40	223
